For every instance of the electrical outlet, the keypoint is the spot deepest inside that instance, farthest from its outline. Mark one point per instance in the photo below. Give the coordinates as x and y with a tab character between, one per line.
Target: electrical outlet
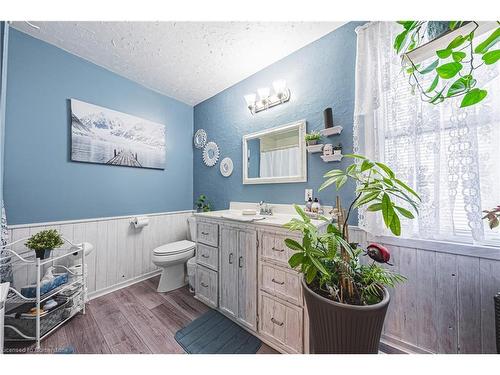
309	194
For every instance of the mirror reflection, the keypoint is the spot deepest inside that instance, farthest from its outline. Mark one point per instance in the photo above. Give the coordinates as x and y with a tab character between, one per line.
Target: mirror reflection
275	155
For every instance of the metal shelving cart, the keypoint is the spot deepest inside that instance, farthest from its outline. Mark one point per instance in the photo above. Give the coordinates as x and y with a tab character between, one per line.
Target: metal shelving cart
76	280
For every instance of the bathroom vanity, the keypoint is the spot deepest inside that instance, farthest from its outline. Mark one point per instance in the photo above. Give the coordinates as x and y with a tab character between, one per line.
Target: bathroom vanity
242	271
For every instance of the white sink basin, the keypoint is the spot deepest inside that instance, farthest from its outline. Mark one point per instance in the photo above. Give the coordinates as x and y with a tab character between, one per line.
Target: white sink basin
276	220
242	218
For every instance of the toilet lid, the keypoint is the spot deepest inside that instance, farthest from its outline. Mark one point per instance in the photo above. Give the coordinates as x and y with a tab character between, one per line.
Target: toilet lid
174	248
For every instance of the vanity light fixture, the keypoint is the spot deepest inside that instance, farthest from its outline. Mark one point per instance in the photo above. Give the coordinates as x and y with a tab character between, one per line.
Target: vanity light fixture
265	100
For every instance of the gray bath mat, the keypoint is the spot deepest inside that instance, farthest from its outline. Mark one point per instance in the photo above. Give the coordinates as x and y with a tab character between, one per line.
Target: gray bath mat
213	333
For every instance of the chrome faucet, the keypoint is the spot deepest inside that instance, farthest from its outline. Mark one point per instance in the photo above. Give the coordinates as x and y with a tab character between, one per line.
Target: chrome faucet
265	209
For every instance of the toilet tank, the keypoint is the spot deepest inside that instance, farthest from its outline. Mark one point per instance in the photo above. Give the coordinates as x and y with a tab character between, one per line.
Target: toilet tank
192	228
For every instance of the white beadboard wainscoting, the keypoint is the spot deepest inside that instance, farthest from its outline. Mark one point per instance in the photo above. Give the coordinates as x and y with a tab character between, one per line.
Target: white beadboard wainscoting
446	305
122	254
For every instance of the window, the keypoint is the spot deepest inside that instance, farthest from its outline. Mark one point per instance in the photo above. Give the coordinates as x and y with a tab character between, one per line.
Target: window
450	155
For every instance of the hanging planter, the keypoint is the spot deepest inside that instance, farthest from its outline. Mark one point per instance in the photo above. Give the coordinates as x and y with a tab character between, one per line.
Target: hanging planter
450	55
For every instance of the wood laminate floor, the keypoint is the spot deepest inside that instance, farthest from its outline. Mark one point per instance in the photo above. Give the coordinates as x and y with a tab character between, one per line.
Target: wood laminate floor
135	319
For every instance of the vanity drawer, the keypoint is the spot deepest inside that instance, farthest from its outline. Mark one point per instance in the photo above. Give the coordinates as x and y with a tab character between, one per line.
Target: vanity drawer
207	233
281	323
207	256
206	285
281	282
273	248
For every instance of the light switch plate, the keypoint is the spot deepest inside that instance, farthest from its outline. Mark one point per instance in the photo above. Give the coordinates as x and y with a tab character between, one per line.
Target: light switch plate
308	194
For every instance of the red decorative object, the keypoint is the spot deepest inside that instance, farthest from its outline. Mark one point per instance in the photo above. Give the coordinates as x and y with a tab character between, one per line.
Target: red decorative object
378	253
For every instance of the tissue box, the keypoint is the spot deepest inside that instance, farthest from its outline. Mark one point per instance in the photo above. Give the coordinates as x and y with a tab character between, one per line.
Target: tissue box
59	279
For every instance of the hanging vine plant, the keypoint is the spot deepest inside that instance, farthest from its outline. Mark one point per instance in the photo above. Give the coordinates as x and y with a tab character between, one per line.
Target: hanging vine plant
453	67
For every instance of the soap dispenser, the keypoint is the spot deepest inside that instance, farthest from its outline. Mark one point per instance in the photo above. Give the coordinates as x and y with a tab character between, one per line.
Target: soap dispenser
315	206
309	204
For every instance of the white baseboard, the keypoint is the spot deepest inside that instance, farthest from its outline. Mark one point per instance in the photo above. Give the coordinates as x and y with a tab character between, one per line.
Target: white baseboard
396	346
124	284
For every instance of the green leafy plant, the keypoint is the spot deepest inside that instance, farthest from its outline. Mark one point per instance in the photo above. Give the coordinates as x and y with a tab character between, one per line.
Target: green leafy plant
326	268
202	203
453	66
493	217
331	265
313	136
378	185
45	240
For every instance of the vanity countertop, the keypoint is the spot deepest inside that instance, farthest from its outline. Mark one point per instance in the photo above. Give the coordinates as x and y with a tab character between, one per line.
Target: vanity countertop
276	220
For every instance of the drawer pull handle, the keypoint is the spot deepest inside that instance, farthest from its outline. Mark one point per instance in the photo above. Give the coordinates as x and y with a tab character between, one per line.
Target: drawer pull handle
230	258
204	285
278	323
277	282
278	250
240	262
205	233
205	256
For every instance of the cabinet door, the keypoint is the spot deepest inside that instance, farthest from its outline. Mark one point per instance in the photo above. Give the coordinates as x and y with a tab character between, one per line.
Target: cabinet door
281	282
206	285
273	248
228	271
281	323
247	278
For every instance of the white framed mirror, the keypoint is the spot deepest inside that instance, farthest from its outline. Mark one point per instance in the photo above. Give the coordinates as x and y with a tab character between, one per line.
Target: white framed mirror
275	156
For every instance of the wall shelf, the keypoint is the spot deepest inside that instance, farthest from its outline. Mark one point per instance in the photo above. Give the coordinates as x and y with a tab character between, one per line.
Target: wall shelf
315	148
331	131
334	157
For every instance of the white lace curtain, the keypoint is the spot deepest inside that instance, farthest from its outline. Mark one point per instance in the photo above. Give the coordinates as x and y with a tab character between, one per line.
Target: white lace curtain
448	154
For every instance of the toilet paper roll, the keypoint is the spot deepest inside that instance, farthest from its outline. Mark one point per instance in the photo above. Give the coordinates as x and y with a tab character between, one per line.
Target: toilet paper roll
140	221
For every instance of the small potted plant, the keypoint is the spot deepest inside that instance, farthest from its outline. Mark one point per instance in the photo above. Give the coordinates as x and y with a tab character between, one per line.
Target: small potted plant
346	298
44	242
313	138
202	204
337	150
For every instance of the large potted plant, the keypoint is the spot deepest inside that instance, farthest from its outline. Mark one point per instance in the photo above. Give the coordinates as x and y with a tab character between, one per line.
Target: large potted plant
346	297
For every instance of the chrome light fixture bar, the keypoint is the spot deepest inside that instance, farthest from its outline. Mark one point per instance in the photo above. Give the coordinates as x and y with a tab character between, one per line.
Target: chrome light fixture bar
264	99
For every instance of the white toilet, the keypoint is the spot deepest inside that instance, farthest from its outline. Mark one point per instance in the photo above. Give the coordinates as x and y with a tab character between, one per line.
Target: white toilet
172	257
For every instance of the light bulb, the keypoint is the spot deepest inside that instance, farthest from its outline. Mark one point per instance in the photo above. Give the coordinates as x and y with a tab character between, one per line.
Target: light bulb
264	93
279	86
250	99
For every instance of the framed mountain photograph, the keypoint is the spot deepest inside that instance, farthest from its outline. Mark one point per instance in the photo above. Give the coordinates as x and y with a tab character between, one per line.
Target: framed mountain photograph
104	136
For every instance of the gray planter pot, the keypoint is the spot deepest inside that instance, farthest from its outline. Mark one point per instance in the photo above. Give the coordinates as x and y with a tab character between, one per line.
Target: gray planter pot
338	328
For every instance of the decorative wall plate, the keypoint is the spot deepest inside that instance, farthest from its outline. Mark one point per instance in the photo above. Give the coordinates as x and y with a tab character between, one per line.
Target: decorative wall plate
200	138
226	167
210	154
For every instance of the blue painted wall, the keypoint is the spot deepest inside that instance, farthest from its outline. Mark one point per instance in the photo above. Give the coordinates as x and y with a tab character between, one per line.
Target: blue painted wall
320	75
41	183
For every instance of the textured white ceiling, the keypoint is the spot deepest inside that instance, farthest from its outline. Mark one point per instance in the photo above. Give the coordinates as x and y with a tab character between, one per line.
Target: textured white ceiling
189	61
